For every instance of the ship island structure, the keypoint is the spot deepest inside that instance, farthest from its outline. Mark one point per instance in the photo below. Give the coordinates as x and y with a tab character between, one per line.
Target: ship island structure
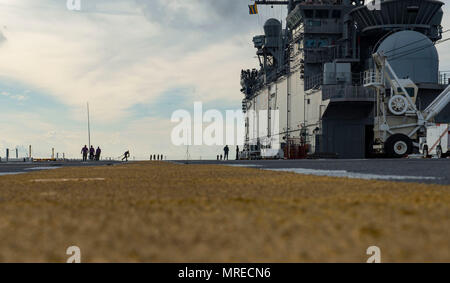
312	72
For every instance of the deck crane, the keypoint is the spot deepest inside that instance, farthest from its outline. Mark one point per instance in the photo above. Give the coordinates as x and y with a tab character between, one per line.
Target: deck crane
399	125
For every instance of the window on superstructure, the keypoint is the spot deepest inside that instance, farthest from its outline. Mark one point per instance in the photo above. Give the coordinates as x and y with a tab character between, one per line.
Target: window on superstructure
314	23
322	14
309	14
310	43
322	42
336	14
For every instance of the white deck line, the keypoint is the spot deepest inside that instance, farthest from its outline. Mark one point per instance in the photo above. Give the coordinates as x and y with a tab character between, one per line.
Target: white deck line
351	175
10	173
42	168
242	165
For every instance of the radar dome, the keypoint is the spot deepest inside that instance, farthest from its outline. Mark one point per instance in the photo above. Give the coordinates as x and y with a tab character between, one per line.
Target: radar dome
413	55
272	28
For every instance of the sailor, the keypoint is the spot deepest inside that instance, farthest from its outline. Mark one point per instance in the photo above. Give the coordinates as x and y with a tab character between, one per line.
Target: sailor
85	151
126	155
226	149
98	152
91	153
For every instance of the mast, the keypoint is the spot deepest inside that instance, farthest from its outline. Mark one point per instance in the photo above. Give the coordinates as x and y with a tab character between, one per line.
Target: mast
89	125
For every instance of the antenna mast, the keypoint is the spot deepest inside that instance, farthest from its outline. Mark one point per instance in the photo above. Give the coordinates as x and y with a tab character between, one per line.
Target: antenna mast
89	126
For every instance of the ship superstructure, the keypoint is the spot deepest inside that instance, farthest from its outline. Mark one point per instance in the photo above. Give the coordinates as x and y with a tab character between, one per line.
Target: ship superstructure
312	72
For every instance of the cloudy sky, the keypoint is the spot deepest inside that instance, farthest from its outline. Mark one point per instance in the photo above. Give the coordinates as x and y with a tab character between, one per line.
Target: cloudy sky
134	61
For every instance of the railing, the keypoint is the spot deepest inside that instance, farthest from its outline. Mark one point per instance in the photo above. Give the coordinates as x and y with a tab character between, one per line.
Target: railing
335	78
322	26
313	81
372	78
444	77
358	78
347	92
317	55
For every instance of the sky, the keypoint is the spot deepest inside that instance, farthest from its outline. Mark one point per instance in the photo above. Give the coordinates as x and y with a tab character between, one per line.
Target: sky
134	61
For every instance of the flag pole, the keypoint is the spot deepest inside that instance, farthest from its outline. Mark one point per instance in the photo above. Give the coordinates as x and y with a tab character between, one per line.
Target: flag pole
89	126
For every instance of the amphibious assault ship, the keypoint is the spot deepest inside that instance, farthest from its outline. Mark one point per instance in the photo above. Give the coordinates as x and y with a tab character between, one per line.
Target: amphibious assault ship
312	72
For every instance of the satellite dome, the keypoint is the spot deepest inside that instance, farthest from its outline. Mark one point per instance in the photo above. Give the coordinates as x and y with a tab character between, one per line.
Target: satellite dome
272	28
413	55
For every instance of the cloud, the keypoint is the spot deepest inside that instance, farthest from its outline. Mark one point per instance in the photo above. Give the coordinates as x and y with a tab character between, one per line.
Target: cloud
224	17
2	38
18	97
117	60
122	54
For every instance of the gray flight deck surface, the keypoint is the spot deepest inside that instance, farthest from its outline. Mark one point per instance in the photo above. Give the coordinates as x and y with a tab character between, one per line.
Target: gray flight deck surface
430	171
26	167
